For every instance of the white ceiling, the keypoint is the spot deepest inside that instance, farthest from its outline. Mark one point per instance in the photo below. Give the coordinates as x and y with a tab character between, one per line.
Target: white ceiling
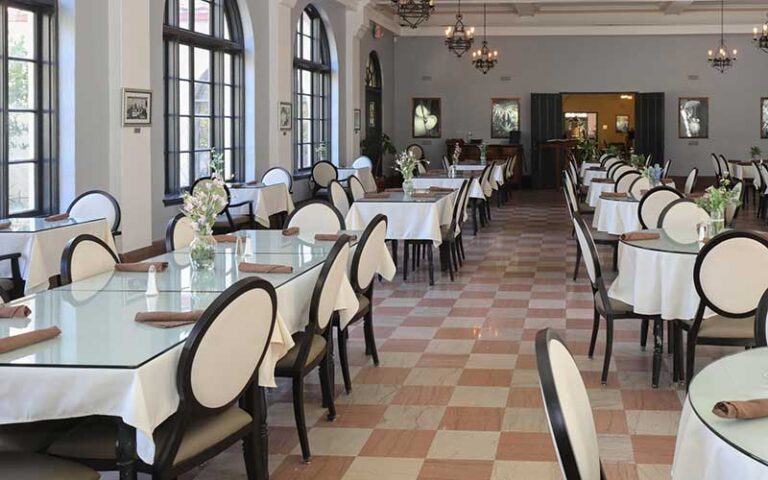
596	17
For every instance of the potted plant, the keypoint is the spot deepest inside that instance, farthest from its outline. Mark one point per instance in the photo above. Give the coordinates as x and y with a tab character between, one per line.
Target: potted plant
637	161
586	150
756	153
457	150
714	201
653	174
375	147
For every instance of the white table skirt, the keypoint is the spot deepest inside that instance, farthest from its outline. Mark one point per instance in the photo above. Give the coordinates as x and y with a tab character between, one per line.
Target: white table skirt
494	181
596	189
702	455
363	174
41	251
406	220
590	174
267	201
585	166
616	216
423	183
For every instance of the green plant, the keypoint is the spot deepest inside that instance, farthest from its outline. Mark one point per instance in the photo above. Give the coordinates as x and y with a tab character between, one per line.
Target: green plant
586	150
405	163
715	199
755	152
612	150
637	161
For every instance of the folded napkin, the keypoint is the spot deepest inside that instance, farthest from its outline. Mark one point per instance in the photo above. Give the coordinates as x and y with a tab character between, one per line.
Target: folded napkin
227	238
440	189
290	231
236	185
332	237
57	217
756	408
613	195
393	190
22	340
253	182
377	195
422	195
19	311
4	225
141	266
246	267
602	180
634	236
168	319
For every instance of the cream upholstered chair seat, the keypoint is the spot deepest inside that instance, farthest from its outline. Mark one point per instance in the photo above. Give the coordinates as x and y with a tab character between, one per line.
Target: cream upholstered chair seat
288	360
32	466
722	327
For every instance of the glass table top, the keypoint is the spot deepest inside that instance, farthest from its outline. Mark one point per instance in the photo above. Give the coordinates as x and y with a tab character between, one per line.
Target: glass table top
36	224
401	197
273	241
669	242
98	328
743	376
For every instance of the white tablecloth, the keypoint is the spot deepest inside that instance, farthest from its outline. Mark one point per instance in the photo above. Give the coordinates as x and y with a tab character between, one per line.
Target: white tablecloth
590	174
585	166
616	216
595	190
41	251
494	181
267	201
423	183
363	174
406	220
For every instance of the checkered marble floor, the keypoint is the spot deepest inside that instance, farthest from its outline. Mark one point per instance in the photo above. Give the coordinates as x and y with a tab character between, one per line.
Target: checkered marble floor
456	395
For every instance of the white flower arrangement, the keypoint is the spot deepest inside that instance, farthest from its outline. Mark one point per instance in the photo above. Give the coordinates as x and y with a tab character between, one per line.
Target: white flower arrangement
208	200
456	154
405	163
321	151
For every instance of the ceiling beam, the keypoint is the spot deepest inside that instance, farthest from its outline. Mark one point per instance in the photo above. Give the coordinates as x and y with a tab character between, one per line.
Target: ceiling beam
677	7
525	9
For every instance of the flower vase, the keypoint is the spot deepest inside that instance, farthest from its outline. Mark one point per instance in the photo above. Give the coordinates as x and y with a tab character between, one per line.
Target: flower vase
452	171
482	159
655	182
716	222
202	251
408	186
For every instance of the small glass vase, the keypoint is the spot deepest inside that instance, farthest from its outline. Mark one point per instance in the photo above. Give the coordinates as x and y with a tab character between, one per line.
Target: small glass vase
716	222
482	159
452	171
408	186
655	182
202	251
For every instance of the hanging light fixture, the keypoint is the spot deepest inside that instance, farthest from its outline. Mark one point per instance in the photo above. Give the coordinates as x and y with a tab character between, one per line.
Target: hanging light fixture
484	59
720	59
413	12
761	37
458	37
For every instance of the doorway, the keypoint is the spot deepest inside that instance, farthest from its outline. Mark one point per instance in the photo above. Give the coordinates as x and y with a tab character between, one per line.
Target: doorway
373	109
606	118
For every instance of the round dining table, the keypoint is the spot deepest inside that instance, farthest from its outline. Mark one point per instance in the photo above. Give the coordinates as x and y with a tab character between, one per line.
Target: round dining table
597	188
713	448
616	215
586	166
592	173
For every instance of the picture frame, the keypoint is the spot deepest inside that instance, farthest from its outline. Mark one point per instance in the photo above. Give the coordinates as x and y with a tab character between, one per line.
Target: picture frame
285	115
622	123
356	120
137	107
693	117
426	120
764	117
505	116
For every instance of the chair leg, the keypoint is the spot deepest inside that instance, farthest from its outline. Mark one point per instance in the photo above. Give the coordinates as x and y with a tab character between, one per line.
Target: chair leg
578	262
454	255
474	214
448	259
458	252
298	412
690	359
394	252
405	260
460	239
370	339
658	346
595	329
326	384
414	255
643	334
431	265
343	336
608	349
616	258
670	338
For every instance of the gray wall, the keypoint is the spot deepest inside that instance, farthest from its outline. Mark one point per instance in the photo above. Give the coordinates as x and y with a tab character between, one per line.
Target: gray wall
385	49
587	64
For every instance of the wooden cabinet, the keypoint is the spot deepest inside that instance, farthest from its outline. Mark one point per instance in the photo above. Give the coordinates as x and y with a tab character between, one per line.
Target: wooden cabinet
495	153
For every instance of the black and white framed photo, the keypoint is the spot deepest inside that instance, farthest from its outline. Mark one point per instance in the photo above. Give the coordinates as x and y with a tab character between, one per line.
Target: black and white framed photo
356	120
764	117
426	118
137	107
285	115
622	123
693	120
505	117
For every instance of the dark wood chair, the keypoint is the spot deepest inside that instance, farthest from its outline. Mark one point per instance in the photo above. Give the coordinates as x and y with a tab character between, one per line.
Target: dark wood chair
179	233
322	174
85	256
95	204
13	285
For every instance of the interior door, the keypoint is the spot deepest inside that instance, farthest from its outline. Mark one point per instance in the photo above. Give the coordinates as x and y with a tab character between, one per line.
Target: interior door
546	124
649	125
373	110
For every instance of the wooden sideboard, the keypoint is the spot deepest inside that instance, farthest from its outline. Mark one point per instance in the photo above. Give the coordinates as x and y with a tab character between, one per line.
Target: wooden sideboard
550	158
495	153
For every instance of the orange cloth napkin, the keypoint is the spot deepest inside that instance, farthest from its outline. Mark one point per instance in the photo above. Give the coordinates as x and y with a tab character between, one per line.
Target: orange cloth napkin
634	236
377	195
253	182
168	319
393	190
236	185
695	195
613	195
225	238
19	311
22	340
290	231
4	225
440	189
141	266
602	180
756	408
246	267
332	237
57	217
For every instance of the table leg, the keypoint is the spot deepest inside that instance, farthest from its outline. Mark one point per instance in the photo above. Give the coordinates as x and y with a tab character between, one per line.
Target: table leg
658	345
126	451
431	265
474	214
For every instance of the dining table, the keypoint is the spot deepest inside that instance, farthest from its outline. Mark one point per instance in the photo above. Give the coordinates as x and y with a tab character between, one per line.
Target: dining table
41	242
495	180
443	180
592	173
616	215
599	186
709	447
267	200
586	166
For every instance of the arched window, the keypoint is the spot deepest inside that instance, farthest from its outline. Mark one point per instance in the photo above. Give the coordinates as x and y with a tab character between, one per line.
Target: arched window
204	90
28	180
312	84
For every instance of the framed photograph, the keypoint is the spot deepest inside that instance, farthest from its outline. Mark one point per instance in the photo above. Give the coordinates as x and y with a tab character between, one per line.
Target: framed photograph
137	107
356	120
693	121
622	123
764	117
426	121
285	115
505	116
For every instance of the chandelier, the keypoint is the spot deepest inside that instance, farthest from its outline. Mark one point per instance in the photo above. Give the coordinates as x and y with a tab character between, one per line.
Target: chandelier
485	59
458	38
761	40
721	60
413	12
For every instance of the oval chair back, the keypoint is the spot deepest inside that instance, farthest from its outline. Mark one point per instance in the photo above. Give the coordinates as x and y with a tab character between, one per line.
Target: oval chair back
446	165
322	174
619	171
568	409
323	303
602	158
653	203
85	256
277	175
179	233
416	150
356	188
511	168
761	317
716	166
609	171
763	170
724	166
648	160
365	260
665	170
690	181
680	218
624	180
96	204
339	197
485	177
732	209
757	178
363	162
609	162
589	254
316	216
420	168
458	214
573	172
570	192
639	187
465	201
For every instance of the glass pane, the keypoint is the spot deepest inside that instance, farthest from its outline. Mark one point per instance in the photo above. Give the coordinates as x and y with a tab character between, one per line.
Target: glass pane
183	98
21	192
306	107
227	33
21	33
202	64
227	68
21	84
306	154
306	131
228	171
184	170
202	98
202	133
228	101
184	61
306	24
184	15
202	161
202	17
306	81
21	136
228	131
184	133
306	49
